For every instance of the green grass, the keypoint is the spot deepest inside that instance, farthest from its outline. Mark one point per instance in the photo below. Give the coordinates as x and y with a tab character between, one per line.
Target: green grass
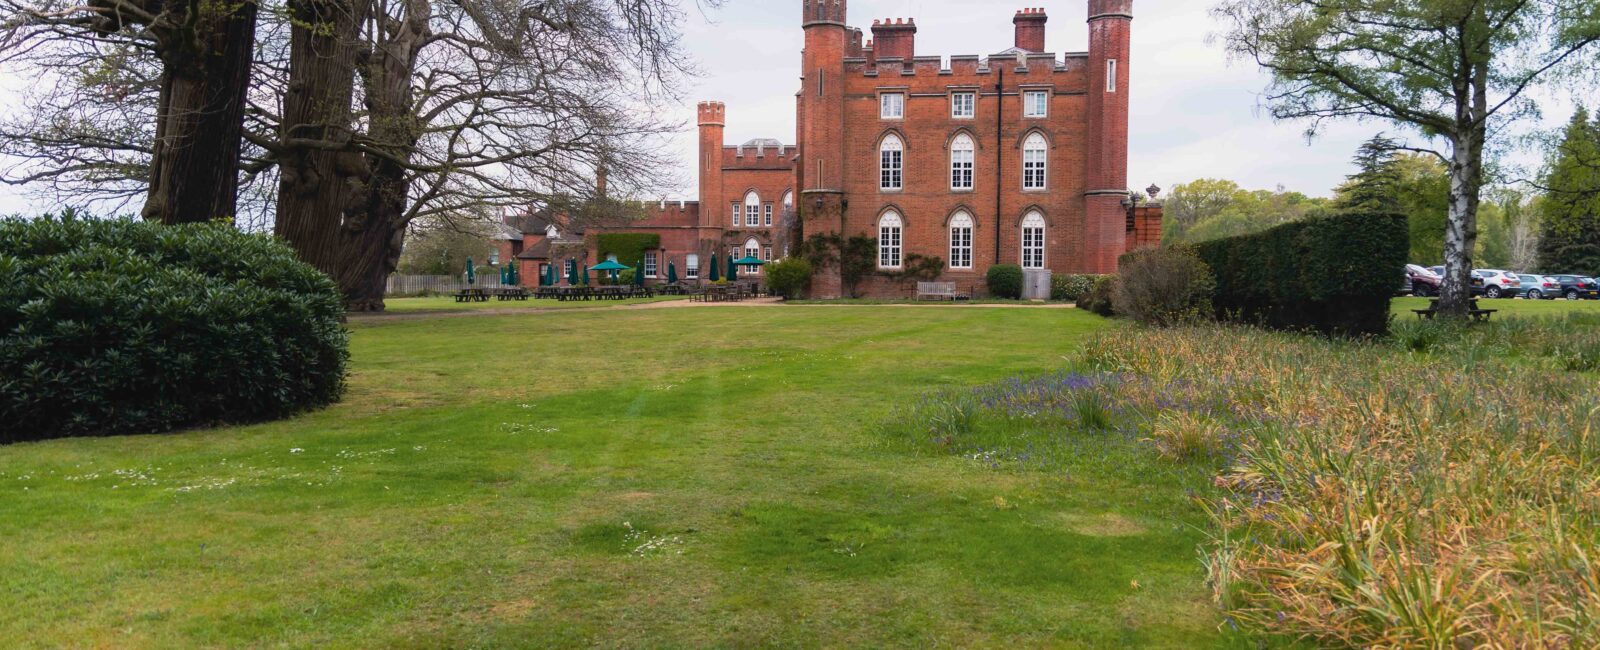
1508	306
681	477
435	304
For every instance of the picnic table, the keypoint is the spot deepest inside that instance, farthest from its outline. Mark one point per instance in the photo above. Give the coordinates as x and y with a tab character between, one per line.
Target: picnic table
472	295
511	293
1473	311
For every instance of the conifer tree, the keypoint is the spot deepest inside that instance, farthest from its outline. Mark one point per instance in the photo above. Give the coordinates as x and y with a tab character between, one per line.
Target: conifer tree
1571	234
1375	187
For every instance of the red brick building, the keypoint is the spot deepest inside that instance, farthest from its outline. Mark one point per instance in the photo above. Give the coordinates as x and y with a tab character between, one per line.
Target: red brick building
1019	157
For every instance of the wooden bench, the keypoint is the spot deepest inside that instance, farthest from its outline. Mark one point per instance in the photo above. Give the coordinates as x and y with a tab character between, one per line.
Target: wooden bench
940	291
1473	311
472	295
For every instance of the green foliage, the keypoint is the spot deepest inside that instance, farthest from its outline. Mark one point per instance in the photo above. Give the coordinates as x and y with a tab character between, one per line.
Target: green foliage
917	268
1071	287
1163	287
1098	299
855	258
1005	281
1375	187
1334	275
626	277
1209	209
1571	241
628	247
789	277
120	327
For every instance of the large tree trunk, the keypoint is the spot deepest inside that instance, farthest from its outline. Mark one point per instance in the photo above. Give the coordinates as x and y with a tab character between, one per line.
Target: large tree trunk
375	232
194	168
1461	229
320	175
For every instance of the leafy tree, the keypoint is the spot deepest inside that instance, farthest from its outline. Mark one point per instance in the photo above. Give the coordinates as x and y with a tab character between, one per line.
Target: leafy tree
1194	202
1457	73
437	248
1375	188
789	277
1571	232
1424	193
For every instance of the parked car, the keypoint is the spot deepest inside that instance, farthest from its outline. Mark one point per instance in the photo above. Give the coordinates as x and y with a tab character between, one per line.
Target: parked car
1539	287
1477	280
1421	282
1500	284
1575	287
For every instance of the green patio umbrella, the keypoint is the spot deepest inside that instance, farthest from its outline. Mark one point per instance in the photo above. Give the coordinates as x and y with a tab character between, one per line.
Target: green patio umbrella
472	274
638	275
750	261
583	279
715	274
572	275
511	272
733	269
672	273
609	266
505	274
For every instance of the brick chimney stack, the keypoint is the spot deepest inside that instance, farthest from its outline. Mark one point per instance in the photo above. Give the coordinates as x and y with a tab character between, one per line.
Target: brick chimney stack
896	39
1030	29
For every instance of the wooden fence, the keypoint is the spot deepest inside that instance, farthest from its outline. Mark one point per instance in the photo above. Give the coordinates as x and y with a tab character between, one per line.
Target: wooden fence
417	285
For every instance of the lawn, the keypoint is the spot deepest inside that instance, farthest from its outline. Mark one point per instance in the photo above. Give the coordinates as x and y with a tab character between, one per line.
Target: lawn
676	477
434	304
1507	307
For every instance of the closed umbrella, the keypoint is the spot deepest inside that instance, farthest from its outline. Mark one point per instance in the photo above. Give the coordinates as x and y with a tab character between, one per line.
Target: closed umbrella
672	272
572	275
715	274
638	275
516	278
733	269
472	274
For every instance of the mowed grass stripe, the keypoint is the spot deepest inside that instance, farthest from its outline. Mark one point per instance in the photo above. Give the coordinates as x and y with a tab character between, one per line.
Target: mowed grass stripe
530	481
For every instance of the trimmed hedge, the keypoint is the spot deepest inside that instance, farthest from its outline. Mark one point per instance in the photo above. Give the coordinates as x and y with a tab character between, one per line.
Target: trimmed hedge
789	277
123	327
1333	274
629	247
1005	281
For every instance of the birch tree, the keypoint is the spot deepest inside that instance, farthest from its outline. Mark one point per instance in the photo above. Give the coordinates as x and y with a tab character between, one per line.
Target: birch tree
1457	73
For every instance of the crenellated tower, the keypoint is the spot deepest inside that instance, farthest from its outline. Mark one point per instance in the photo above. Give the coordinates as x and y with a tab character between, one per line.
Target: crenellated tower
828	39
1106	158
713	121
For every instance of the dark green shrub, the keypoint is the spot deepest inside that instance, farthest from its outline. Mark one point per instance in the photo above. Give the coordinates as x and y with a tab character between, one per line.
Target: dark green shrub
1333	274
1163	287
1071	287
1098	299
1005	281
789	277
118	327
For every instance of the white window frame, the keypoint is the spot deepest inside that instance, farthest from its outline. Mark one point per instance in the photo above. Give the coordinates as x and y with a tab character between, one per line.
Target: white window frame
963	100
891	164
568	268
767	210
1032	241
736	213
1111	75
1035	163
891	240
691	267
752	248
651	264
769	254
892	106
752	209
1036	103
963	163
961	227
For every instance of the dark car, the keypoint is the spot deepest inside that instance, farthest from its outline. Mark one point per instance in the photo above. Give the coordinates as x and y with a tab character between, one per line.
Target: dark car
1539	287
1575	287
1421	282
1477	279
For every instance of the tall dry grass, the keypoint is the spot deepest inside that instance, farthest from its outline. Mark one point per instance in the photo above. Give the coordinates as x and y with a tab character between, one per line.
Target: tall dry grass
1377	496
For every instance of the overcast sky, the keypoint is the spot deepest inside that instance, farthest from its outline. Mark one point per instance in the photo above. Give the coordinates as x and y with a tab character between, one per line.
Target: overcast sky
1193	113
